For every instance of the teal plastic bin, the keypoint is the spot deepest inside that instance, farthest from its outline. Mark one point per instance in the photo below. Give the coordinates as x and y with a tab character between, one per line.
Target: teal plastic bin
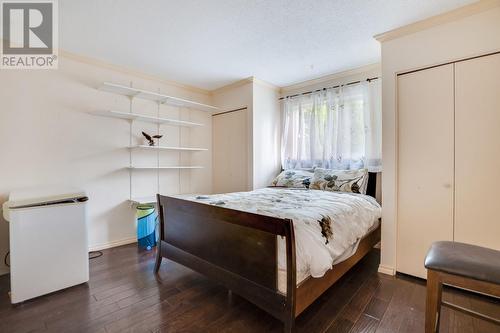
146	226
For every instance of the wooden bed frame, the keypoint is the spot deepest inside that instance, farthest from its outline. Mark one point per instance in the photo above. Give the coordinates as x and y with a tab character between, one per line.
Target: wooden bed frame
239	250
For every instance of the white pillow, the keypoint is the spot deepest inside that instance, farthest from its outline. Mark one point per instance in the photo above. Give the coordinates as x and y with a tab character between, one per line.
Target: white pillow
355	181
293	178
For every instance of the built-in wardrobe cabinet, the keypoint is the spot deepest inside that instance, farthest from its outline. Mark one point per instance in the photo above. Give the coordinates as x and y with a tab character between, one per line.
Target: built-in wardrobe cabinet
230	157
448	158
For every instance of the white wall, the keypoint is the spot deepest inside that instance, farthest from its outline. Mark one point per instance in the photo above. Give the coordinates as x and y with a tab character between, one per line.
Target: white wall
48	137
266	134
465	37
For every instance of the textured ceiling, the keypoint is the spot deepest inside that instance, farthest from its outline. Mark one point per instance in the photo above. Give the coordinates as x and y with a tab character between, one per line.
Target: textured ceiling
211	43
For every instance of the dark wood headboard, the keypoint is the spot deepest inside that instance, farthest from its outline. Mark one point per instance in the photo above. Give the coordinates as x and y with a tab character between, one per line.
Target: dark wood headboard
371	190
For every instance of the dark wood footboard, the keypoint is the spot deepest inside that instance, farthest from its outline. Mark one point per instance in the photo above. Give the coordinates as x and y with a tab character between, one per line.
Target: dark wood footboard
234	248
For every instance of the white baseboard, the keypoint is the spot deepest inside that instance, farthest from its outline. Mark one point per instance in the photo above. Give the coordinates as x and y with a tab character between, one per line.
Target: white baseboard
386	270
108	245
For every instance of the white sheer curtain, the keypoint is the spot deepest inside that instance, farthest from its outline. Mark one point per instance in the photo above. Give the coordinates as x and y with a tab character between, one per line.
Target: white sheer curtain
337	128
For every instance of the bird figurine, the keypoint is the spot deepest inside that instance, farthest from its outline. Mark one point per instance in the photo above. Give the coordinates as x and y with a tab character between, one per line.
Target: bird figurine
151	138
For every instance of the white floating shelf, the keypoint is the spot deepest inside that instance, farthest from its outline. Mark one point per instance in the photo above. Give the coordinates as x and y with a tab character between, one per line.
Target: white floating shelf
149	119
163	167
153	96
168	148
143	200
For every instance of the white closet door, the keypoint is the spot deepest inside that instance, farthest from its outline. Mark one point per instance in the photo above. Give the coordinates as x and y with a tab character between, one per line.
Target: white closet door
230	152
425	165
477	175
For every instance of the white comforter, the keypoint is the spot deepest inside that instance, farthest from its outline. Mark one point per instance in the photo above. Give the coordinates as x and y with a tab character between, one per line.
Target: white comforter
352	215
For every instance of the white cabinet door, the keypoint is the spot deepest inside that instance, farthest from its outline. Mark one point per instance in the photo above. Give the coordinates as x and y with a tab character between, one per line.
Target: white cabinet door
230	151
477	171
425	165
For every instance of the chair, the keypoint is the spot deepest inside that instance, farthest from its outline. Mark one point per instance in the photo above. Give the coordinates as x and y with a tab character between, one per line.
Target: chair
460	265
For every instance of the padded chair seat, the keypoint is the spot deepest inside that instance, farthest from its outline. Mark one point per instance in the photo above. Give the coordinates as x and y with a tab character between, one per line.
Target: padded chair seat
465	260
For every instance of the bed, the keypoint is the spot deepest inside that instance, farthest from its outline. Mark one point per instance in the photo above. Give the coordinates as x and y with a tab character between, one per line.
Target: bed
266	245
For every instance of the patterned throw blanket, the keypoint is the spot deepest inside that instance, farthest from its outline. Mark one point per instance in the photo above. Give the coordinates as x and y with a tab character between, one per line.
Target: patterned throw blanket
326	223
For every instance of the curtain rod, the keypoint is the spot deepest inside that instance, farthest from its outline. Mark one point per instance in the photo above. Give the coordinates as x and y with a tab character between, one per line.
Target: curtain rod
337	86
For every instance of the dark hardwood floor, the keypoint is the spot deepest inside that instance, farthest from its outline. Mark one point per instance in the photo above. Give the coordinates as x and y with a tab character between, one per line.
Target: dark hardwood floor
123	295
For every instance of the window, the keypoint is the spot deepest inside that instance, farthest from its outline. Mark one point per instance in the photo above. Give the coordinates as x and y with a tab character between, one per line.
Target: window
335	128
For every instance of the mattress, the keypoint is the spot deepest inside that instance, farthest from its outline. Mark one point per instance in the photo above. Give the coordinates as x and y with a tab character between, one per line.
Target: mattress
327	225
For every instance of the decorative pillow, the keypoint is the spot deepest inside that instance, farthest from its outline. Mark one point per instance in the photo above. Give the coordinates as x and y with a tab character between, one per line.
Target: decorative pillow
293	178
355	181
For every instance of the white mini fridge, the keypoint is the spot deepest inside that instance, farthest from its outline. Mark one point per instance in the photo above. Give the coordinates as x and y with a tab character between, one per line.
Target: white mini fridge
48	241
